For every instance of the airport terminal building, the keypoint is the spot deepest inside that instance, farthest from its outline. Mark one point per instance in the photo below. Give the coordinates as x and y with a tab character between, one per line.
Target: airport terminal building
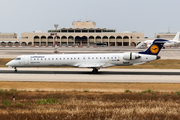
80	34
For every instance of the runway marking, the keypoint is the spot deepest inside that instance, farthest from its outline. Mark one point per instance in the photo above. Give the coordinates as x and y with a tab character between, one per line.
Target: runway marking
172	54
102	50
112	49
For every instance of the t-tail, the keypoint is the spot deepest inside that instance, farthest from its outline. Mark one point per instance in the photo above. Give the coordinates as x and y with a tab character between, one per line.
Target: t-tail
155	48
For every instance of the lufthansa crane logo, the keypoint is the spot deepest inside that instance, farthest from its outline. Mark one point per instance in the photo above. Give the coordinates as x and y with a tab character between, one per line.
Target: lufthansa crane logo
154	49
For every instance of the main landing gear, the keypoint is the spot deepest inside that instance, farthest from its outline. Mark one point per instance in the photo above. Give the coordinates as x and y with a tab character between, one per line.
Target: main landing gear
95	70
15	70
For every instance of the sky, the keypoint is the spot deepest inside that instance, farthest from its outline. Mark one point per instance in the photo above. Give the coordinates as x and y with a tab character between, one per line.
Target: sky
147	16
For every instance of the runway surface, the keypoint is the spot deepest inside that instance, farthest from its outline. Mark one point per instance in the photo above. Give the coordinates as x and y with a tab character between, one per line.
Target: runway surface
85	75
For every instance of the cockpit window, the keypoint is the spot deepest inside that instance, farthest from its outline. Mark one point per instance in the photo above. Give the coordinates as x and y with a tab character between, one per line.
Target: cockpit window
17	59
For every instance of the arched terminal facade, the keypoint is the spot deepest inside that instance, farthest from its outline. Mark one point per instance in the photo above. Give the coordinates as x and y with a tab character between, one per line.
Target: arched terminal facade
81	34
82	39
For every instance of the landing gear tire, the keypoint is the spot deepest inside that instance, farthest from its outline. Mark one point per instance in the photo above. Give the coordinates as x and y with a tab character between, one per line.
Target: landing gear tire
15	70
95	70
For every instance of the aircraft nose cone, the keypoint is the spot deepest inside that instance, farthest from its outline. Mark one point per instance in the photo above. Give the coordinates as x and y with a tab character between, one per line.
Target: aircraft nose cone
9	63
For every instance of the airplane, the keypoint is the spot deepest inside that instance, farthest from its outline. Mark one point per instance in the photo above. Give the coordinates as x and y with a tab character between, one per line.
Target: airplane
94	61
167	44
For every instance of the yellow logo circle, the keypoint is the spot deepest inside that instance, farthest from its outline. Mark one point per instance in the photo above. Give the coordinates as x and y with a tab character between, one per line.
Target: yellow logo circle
154	49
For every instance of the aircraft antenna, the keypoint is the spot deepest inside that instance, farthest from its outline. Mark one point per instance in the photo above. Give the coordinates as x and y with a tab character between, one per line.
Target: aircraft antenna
169	30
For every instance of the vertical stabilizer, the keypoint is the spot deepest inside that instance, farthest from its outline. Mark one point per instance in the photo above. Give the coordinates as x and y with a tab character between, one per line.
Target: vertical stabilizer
155	47
176	38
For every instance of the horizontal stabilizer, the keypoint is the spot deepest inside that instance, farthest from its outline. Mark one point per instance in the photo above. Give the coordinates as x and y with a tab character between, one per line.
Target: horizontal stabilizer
161	42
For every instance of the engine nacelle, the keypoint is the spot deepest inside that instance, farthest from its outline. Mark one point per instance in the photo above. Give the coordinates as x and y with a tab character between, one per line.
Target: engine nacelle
130	56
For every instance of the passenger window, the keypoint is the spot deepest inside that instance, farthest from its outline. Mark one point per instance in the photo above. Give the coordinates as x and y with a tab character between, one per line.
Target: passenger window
96	57
74	58
100	58
107	57
49	59
92	57
56	58
78	58
68	58
111	57
104	58
60	58
71	58
45	59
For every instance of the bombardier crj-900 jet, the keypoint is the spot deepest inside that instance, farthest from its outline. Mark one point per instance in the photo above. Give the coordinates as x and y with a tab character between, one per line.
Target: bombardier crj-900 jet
94	61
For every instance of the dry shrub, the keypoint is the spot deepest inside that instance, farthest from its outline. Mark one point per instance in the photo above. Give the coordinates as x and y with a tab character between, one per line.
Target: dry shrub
91	105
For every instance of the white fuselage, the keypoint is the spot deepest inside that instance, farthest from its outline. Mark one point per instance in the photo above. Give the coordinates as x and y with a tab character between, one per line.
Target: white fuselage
78	60
148	43
167	44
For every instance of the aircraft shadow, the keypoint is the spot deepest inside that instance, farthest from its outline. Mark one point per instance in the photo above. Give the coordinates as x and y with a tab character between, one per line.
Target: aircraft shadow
88	72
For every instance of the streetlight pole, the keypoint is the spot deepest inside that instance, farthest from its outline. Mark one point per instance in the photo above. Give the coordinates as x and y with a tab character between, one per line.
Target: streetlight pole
56	42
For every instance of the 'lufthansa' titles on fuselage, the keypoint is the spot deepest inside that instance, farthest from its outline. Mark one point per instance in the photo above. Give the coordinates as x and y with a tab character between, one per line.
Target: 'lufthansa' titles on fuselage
37	56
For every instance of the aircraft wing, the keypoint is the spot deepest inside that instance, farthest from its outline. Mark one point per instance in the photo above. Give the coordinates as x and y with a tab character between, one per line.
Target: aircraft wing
107	64
89	66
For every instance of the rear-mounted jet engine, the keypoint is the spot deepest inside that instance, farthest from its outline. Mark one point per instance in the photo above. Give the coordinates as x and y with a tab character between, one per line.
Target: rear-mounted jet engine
130	56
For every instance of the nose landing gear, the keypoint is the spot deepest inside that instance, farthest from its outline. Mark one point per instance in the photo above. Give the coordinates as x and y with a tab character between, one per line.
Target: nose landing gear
95	70
15	70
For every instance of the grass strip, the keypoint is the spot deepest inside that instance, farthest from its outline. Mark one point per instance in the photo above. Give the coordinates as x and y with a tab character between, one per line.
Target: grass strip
86	87
76	105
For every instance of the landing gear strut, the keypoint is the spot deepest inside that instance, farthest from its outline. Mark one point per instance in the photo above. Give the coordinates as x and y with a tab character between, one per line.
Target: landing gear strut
95	70
15	70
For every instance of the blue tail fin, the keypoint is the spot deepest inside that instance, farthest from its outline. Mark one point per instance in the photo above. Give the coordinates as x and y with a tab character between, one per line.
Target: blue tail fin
155	48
